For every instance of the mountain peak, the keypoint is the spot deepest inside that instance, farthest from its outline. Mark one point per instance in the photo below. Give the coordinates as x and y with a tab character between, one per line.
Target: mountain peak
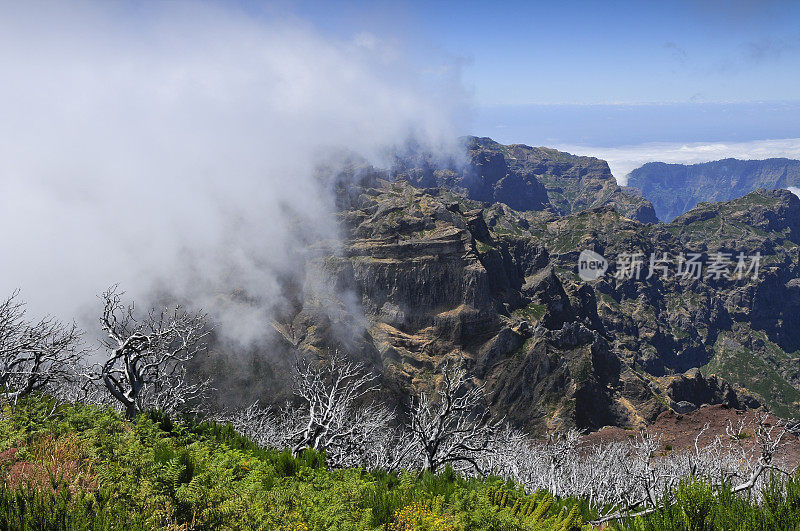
674	189
529	178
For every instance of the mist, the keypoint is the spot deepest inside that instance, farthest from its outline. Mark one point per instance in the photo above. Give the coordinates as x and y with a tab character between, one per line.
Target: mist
624	159
172	148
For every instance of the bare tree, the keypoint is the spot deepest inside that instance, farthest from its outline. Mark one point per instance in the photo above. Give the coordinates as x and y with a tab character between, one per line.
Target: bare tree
392	449
259	424
85	387
770	439
723	460
146	367
34	355
330	417
450	427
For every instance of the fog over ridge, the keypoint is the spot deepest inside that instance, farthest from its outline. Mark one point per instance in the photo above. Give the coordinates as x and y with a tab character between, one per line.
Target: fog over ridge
180	155
624	159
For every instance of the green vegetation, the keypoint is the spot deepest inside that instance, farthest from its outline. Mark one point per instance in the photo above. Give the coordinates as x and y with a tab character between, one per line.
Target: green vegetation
81	467
483	247
608	300
583	368
739	365
699	506
508	229
531	312
72	467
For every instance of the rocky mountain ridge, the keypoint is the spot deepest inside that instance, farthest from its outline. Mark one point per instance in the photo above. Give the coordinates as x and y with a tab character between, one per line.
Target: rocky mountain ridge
430	273
526	178
675	189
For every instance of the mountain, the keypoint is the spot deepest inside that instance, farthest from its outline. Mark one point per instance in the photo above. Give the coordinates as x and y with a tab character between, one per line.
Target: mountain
677	188
526	178
432	266
744	330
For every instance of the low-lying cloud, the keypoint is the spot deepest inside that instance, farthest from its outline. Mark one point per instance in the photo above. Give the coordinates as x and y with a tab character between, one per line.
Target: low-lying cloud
623	159
173	146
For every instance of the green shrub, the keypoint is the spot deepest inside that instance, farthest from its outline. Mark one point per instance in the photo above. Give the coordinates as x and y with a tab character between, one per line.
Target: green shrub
699	506
70	467
156	473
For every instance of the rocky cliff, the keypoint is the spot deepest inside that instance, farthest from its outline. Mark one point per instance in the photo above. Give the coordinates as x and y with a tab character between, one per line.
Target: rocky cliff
440	276
743	330
677	188
526	178
429	273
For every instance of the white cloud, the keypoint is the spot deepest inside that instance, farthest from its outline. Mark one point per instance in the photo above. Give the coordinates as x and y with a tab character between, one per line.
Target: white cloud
624	159
794	190
172	146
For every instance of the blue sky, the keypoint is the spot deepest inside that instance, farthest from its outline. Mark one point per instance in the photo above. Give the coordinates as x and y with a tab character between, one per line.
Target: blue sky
215	103
596	73
594	52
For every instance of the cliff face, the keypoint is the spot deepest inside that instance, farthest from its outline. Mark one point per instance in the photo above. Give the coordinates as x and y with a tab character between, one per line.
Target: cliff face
438	275
431	273
677	188
742	329
527	178
435	282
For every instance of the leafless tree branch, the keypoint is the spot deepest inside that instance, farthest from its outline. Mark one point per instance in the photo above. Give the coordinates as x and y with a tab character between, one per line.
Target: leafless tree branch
148	357
35	355
450	427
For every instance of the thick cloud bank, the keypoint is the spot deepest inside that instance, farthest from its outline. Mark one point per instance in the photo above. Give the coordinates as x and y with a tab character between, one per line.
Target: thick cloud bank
624	159
173	147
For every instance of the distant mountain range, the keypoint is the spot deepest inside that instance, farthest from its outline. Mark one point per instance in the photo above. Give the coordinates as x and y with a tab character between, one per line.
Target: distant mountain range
478	260
674	189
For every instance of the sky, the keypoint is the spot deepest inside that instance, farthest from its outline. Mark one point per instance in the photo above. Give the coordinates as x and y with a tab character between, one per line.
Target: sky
597	52
173	148
122	122
690	77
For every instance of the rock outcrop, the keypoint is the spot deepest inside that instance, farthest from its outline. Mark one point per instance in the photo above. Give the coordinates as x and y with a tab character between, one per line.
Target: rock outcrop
440	276
674	189
744	329
435	266
526	178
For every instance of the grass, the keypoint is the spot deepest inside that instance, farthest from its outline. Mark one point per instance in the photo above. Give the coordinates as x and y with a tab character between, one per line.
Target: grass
69	467
737	364
483	247
531	312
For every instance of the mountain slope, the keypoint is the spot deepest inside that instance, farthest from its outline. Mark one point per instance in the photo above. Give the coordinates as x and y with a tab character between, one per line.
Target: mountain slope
671	325
677	188
527	178
426	272
439	276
